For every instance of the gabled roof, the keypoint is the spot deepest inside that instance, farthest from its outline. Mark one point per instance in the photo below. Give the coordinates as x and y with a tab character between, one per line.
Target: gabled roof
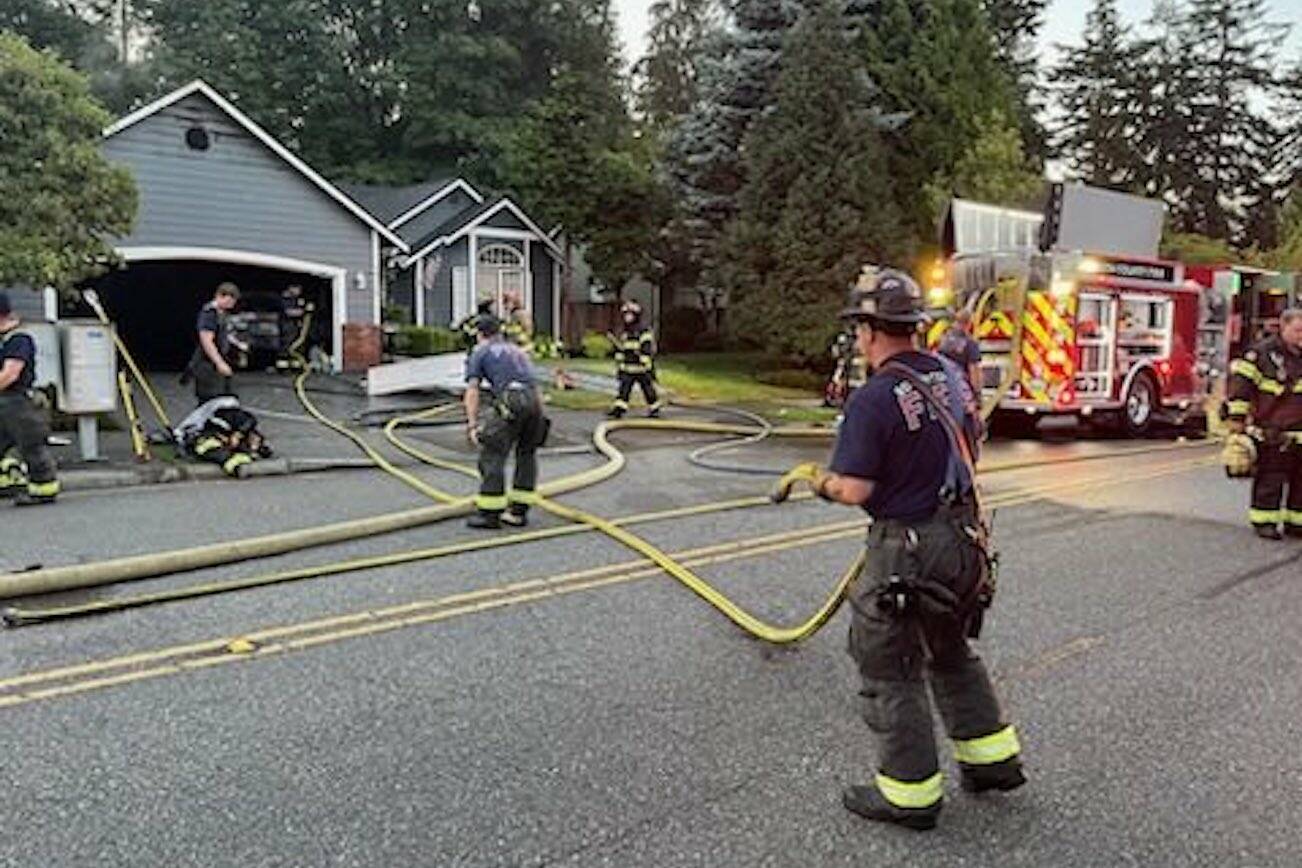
199	87
395	206
462	224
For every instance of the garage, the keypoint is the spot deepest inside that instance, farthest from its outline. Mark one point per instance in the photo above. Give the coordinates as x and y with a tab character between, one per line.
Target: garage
221	200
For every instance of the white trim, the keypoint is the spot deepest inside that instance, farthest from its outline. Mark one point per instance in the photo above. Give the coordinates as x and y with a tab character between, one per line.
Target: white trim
418	293
377	287
51	300
473	225
263	136
556	299
472	289
528	279
338	278
420	207
506	234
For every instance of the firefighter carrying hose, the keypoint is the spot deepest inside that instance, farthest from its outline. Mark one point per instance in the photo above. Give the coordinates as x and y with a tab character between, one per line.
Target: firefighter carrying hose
1265	392
635	349
904	453
508	418
26	466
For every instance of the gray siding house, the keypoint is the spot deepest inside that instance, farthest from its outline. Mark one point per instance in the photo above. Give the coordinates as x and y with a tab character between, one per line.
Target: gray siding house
218	192
465	248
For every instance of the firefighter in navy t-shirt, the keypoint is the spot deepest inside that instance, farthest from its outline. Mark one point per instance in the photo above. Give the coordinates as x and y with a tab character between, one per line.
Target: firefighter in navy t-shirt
26	466
905	456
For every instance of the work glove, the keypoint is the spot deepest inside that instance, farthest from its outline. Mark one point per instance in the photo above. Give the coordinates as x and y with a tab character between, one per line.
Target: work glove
808	472
1239	455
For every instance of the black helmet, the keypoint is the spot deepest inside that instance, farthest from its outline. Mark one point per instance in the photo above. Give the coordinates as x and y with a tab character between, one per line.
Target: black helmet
885	295
488	325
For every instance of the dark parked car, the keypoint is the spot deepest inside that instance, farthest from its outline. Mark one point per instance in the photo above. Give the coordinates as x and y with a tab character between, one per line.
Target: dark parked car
259	323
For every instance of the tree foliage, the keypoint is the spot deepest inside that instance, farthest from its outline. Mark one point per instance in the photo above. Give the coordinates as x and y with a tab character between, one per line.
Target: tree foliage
1015	26
667	73
61	202
994	170
817	203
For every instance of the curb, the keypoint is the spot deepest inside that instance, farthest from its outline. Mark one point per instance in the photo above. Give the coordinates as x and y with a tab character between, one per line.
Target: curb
98	480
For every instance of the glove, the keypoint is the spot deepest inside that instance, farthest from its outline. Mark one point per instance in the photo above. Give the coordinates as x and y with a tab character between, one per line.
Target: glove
1239	455
809	473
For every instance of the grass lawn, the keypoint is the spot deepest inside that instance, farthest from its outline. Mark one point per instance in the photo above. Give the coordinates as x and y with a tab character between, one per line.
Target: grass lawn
709	378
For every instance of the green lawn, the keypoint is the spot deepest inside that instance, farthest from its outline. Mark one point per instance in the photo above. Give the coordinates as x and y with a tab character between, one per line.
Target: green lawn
709	378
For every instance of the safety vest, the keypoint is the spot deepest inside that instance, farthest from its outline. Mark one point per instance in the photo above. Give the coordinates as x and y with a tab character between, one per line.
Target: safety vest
1266	384
635	352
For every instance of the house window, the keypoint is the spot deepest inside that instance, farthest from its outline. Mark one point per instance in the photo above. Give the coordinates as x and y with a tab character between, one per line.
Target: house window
499	276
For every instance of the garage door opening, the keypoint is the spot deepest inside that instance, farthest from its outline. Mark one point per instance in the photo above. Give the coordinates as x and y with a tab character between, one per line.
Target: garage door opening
154	305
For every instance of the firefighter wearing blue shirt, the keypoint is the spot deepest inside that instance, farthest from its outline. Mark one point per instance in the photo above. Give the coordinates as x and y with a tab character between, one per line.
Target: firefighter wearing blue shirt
210	367
904	454
509	418
26	466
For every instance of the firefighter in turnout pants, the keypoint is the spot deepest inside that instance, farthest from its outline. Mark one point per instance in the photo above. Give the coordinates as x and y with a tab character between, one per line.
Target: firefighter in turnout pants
635	355
904	454
508	418
1266	390
26	466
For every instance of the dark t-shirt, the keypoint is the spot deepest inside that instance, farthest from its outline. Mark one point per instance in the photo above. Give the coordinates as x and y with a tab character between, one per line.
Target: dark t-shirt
890	435
961	347
212	320
500	363
19	345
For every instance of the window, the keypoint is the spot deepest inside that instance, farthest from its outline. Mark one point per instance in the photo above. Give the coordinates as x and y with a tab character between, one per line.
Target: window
501	256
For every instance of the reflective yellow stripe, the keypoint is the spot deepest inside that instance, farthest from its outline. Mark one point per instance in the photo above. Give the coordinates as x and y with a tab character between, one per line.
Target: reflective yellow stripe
621	405
910	794
491	502
206	445
236	461
1238	408
43	489
518	495
988	749
1265	516
1293	517
1270	387
9	463
1245	369
1293	436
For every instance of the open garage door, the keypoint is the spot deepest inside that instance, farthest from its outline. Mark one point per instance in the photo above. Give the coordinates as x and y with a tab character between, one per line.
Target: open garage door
154	303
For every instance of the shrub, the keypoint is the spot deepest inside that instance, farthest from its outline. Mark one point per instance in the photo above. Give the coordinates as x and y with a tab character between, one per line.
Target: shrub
426	341
680	327
597	346
397	314
547	347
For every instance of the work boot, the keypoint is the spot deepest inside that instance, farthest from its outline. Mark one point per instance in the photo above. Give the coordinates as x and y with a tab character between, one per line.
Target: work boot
653	413
485	521
515	519
28	499
1267	531
869	803
9	491
615	413
1003	776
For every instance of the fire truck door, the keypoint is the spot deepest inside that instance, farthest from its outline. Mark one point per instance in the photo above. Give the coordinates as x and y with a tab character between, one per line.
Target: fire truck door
1096	341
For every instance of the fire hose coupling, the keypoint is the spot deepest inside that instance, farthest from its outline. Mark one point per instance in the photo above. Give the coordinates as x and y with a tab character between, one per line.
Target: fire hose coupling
809	473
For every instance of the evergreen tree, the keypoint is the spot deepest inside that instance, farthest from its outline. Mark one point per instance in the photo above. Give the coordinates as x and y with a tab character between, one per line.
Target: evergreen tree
1164	89
1096	86
667	73
1015	26
994	170
817	203
932	62
1231	49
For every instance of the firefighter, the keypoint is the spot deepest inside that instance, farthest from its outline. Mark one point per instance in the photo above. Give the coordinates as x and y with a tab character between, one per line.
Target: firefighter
210	367
1266	391
469	327
904	453
508	418
958	344
517	325
635	357
26	466
221	432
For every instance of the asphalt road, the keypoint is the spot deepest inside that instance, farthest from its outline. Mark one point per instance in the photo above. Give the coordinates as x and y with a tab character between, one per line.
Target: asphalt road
1144	642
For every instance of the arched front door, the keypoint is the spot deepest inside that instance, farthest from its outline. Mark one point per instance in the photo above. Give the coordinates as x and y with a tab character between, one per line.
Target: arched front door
500	272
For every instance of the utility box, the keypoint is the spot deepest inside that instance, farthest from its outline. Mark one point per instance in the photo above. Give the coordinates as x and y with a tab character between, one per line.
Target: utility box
49	355
90	372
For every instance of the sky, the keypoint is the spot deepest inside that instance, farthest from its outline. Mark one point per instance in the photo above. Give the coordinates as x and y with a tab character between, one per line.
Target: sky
1063	22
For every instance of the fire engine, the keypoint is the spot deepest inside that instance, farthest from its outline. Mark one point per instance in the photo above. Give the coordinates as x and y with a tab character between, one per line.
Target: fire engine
1107	338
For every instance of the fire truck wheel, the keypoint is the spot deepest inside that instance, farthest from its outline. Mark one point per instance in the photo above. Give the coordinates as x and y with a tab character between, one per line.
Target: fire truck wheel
1140	406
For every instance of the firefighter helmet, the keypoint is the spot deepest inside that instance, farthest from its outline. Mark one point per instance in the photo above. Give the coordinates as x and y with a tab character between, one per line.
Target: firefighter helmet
885	295
1239	455
631	307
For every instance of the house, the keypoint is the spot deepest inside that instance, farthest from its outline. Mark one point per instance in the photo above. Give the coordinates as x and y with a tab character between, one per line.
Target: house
464	247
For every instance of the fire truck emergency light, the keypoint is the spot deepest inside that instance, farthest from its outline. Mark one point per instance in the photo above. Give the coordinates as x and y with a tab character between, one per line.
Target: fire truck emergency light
1061	288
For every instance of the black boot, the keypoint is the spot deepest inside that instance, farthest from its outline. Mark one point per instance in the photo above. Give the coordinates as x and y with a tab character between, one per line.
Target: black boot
515	519
27	499
1267	531
485	521
868	802
1004	776
616	412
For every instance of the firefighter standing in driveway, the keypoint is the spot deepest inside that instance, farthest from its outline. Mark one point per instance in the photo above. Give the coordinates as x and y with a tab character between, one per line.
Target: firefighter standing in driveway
26	466
210	367
503	414
1266	390
635	356
904	454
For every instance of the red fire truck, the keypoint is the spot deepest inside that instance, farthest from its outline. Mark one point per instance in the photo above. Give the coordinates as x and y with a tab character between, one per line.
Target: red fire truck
1106	338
